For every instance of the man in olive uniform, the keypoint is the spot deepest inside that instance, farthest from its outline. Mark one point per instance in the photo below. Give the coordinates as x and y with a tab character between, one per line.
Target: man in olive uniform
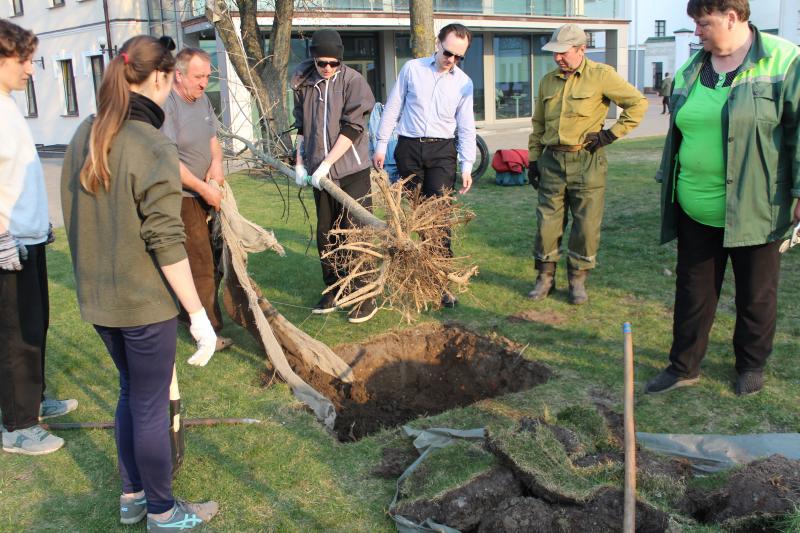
567	161
665	90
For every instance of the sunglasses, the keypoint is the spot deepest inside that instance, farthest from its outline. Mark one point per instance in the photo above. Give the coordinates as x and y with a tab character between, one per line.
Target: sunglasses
323	64
448	53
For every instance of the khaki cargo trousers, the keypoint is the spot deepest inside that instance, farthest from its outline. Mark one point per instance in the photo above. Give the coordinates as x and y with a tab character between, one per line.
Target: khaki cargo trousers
571	182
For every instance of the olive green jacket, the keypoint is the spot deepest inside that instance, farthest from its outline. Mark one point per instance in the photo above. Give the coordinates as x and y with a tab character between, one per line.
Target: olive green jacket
569	107
760	141
120	238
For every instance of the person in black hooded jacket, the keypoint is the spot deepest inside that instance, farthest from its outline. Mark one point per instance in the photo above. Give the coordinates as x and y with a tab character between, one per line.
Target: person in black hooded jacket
331	111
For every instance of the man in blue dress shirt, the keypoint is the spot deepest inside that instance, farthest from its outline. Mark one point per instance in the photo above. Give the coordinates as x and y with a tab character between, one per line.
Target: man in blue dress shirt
429	104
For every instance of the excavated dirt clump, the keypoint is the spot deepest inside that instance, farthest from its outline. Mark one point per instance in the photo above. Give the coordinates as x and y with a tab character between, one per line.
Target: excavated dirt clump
764	489
420	372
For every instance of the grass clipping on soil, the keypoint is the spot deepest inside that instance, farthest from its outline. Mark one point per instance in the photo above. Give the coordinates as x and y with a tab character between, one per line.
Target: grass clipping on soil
406	263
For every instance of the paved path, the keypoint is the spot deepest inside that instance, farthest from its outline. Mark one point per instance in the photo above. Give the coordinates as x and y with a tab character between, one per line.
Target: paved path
52	180
516	136
496	137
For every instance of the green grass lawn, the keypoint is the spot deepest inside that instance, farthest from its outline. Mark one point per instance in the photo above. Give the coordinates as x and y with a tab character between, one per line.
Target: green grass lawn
288	474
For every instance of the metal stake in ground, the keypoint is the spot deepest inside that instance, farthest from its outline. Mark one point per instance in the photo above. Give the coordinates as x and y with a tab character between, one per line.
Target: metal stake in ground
629	516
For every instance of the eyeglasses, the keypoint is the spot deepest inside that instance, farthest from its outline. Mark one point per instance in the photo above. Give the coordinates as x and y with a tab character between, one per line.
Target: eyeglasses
323	64
448	53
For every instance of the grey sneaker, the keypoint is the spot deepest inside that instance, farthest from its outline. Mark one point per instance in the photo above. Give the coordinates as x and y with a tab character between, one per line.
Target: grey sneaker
666	381
51	408
184	516
132	510
31	441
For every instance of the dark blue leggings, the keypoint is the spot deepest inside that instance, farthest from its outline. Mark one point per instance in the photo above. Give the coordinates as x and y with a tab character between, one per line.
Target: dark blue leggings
144	356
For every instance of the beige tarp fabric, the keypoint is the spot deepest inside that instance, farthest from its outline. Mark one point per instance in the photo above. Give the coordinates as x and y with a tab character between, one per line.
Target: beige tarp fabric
242	237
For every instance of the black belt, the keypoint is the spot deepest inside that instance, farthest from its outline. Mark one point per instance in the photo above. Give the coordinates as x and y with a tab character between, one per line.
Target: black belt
425	139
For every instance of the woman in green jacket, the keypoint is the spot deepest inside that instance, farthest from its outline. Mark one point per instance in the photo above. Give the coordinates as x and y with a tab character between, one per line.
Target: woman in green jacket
121	197
729	174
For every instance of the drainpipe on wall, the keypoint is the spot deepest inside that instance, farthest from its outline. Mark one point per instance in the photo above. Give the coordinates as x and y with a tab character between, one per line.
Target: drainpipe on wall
108	31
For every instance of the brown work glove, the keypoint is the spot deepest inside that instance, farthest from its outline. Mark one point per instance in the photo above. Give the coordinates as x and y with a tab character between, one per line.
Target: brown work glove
595	140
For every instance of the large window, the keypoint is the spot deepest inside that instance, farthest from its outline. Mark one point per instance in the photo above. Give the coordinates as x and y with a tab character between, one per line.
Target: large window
661	28
68	81
473	66
98	68
30	100
513	87
18	9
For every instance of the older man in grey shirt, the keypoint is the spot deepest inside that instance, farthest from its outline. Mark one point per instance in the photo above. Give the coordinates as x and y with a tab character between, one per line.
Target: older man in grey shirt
191	123
431	101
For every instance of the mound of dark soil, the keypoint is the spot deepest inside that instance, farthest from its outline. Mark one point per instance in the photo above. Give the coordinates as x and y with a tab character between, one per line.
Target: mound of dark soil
465	507
766	488
600	514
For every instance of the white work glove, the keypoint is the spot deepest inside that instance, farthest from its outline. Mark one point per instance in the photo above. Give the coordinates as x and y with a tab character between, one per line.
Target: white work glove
12	252
203	333
300	174
791	241
321	172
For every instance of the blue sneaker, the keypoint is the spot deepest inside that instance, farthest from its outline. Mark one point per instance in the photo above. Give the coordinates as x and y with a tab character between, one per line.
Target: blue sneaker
131	509
184	516
50	408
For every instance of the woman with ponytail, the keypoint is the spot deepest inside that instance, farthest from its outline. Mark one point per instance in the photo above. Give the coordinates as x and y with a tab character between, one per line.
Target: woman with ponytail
121	197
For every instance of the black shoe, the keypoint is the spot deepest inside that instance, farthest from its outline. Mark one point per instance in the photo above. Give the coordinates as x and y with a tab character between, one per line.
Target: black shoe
449	301
325	305
666	381
362	312
749	382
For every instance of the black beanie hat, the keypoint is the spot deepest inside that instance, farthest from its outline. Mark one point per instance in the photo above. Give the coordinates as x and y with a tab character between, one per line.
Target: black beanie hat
327	43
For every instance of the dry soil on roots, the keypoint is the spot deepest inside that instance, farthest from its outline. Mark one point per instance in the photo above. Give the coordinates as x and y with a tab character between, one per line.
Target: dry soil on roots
420	372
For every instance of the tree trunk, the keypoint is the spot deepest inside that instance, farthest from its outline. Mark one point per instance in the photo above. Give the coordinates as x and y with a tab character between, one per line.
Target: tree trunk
264	75
422	36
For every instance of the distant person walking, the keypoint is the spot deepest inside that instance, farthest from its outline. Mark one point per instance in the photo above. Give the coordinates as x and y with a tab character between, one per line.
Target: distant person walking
729	181
665	91
24	232
121	197
568	163
431	104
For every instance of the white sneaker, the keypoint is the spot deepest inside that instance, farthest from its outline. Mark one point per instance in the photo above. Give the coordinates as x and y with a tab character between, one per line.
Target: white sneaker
51	408
31	441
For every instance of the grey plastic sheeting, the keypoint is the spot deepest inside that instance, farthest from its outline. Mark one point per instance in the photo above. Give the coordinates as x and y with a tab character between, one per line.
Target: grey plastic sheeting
712	453
425	441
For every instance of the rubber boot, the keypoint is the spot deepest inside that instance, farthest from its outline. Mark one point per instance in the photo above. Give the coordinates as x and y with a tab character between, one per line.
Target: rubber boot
545	282
577	286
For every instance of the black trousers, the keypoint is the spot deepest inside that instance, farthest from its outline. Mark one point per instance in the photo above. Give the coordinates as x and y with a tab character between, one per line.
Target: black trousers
329	212
24	319
701	269
433	165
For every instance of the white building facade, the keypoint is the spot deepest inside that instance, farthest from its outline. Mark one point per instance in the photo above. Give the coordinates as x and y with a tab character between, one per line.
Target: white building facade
76	40
661	33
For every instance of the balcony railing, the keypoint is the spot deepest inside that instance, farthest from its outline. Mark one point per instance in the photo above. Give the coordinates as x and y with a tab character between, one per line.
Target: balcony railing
547	8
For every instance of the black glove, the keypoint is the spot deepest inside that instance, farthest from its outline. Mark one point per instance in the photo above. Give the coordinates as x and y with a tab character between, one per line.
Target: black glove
533	174
595	140
51	237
